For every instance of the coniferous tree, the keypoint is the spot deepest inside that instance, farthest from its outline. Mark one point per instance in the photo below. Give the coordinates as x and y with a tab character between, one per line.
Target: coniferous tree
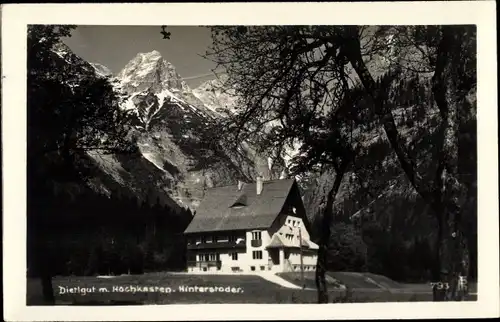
70	112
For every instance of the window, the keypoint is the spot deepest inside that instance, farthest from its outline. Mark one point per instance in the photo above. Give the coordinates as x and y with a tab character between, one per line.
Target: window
209	239
203	240
252	268
232	239
222	239
256	235
257	254
234	256
289	236
208	257
262	268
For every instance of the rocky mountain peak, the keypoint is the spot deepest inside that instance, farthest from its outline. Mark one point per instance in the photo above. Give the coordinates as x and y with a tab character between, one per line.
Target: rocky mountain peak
150	71
102	70
216	96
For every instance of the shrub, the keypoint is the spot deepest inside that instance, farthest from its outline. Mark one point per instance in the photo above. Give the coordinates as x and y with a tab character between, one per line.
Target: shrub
348	252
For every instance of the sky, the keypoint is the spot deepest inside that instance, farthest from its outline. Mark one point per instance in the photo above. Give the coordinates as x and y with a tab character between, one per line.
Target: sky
115	46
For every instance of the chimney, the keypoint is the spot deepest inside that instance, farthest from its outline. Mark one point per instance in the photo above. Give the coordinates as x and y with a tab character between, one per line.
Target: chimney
240	185
259	185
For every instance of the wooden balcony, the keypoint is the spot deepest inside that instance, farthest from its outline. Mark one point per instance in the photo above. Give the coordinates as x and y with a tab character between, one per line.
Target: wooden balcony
219	245
256	242
205	264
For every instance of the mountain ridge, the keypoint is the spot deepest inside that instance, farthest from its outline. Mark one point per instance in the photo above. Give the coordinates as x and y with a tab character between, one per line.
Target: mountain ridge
178	156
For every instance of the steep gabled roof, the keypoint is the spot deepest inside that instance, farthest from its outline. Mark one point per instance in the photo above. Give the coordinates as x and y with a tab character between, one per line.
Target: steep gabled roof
277	241
227	208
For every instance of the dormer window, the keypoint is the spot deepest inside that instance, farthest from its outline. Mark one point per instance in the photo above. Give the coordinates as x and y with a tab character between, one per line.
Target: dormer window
240	202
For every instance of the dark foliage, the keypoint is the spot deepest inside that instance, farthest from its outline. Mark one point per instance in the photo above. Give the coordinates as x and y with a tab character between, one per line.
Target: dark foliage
347	250
98	235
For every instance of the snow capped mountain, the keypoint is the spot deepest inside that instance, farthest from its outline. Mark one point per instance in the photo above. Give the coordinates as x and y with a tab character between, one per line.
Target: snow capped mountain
174	126
102	70
178	154
150	75
223	101
151	71
216	97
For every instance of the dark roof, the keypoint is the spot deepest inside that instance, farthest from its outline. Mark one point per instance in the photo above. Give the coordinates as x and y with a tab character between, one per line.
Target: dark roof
278	242
216	211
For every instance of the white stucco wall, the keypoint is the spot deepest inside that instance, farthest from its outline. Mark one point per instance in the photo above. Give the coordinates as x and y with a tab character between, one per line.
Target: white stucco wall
257	263
245	258
308	260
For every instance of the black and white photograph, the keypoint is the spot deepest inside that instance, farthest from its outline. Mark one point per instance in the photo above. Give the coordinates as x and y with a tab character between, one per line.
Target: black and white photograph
248	163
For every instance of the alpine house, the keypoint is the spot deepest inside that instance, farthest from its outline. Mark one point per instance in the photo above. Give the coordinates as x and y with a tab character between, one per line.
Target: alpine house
260	226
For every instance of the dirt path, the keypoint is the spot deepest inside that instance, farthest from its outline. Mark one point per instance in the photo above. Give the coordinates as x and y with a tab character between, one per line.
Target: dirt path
273	278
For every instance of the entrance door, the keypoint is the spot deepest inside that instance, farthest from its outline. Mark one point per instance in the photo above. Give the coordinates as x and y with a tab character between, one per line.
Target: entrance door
275	256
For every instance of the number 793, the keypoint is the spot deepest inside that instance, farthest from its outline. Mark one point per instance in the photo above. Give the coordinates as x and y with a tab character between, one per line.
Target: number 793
462	284
440	285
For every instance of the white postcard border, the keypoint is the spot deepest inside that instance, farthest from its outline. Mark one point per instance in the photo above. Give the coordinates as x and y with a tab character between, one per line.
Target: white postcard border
15	19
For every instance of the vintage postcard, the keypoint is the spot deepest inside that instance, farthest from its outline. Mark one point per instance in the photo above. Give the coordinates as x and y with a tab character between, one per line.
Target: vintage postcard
250	161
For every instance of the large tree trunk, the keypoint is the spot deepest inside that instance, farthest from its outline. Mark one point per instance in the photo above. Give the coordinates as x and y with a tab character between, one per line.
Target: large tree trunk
39	254
326	222
450	191
47	289
446	196
352	50
42	271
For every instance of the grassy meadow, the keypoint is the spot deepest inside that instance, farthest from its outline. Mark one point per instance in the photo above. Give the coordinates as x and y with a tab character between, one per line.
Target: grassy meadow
171	288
